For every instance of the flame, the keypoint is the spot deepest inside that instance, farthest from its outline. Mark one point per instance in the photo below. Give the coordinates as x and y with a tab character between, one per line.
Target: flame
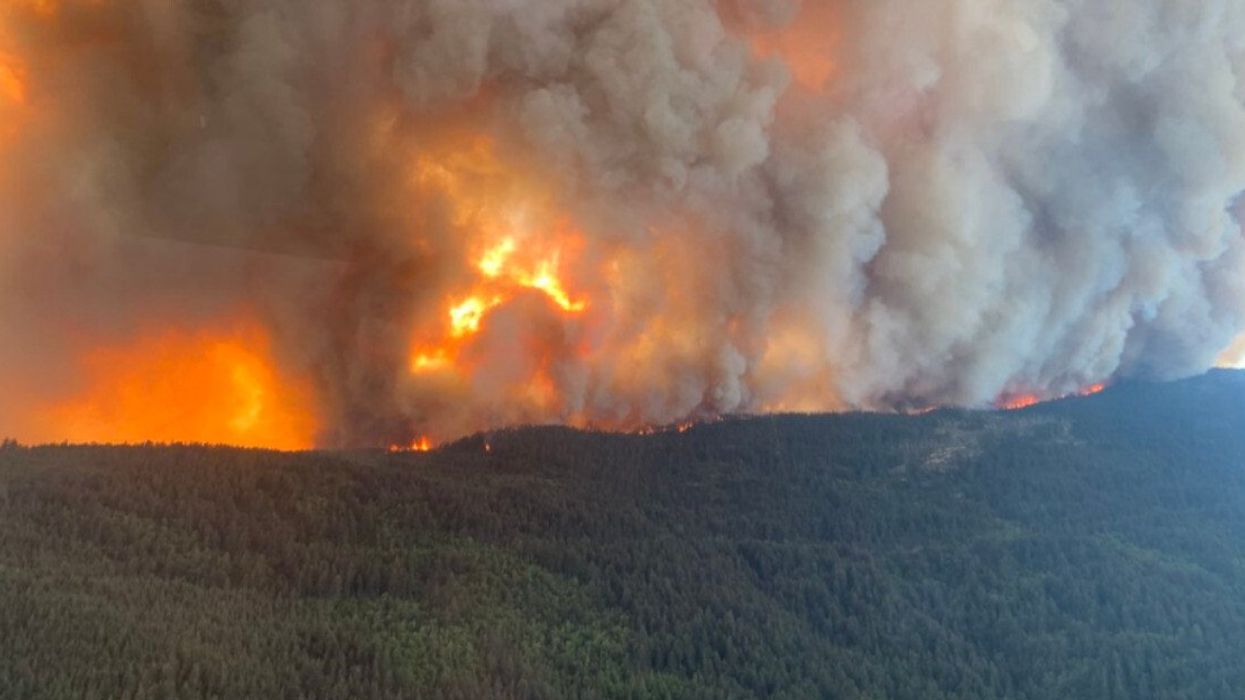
433	361
465	317
516	241
1016	402
422	444
495	263
177	386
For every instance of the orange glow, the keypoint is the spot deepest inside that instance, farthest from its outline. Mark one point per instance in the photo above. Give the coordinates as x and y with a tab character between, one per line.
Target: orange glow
423	444
430	361
516	240
545	280
12	80
496	263
1015	403
1234	356
806	45
205	387
14	70
46	9
682	427
1020	401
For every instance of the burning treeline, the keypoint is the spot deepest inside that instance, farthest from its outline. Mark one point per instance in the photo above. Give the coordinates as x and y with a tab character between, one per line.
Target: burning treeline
372	222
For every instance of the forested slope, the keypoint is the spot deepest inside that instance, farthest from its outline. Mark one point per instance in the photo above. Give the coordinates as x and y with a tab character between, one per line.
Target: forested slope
1088	548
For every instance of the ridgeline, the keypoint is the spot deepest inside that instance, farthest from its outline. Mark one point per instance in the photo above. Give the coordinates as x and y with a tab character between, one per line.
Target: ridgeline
1086	548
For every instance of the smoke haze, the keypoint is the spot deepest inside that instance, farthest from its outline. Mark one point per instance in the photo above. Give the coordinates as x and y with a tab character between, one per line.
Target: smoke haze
367	221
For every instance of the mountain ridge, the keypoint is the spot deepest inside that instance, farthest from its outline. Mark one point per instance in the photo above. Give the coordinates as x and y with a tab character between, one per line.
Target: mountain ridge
1088	547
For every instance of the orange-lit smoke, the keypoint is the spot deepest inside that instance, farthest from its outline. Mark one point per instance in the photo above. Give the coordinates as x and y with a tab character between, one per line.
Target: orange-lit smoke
517	249
213	387
1234	356
14	88
12	80
805	45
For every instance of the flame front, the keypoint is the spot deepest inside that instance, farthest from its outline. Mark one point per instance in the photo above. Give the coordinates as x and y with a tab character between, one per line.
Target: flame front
1022	401
1016	402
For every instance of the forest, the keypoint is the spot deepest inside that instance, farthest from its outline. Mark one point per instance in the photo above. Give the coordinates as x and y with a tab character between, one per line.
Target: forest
1084	548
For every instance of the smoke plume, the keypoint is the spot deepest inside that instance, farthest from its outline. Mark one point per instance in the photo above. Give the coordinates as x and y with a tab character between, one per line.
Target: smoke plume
368	221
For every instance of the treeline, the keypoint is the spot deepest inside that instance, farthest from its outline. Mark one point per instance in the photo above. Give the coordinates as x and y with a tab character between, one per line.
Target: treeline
1091	548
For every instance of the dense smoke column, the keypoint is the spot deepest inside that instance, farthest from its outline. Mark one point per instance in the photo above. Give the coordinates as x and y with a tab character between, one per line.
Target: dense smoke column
450	215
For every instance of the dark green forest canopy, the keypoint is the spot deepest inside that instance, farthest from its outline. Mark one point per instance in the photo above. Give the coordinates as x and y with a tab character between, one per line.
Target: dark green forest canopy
1087	548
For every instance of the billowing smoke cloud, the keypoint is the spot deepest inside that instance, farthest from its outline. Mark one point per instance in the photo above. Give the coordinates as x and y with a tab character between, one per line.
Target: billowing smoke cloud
451	215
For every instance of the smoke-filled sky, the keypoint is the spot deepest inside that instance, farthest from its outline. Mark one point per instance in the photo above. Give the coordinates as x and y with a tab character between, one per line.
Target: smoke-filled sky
360	222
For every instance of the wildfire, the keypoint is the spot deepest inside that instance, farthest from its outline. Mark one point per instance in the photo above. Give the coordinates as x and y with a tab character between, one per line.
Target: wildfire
430	362
681	427
465	317
496	264
517	242
423	444
1016	403
196	387
1021	401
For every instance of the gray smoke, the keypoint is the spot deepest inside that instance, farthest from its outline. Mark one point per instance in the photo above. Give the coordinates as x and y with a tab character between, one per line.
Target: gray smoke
854	203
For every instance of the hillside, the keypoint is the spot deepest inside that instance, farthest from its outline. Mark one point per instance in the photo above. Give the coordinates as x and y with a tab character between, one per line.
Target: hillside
1087	548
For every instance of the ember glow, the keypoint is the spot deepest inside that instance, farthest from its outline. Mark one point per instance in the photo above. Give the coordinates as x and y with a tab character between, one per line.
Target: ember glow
199	387
449	216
